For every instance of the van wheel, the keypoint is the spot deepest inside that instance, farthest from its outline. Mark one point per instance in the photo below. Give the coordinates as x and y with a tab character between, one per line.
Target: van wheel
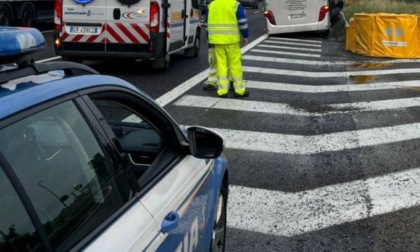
162	63
195	49
28	15
5	15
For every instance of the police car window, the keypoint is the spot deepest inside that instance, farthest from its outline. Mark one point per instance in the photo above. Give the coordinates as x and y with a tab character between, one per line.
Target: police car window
64	171
138	139
17	233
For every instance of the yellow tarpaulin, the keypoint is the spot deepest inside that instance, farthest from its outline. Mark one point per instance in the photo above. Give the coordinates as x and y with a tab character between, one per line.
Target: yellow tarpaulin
384	35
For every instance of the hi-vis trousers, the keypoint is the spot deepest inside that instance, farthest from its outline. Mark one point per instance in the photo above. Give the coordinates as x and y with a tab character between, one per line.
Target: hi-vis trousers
212	77
229	59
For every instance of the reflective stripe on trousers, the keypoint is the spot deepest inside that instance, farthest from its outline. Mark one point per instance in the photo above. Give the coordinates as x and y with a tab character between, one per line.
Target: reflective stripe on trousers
229	58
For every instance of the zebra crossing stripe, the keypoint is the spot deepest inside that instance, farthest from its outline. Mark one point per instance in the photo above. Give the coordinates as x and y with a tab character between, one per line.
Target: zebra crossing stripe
314	41
285	109
317	62
304	145
293	61
290	48
290	214
329	74
297	88
307	55
291	43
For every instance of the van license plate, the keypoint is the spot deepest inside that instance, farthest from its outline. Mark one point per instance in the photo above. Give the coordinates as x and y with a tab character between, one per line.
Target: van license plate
84	29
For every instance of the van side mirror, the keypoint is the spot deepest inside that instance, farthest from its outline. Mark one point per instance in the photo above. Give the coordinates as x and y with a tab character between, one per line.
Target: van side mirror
204	143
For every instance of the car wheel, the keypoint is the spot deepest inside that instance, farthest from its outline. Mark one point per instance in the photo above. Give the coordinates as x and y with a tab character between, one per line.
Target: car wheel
219	226
5	15
28	15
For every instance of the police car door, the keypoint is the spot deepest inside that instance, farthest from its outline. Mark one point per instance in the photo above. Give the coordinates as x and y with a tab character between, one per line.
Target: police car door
84	25
175	188
180	204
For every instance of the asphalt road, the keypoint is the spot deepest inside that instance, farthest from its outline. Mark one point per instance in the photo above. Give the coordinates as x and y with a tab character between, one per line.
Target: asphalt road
323	154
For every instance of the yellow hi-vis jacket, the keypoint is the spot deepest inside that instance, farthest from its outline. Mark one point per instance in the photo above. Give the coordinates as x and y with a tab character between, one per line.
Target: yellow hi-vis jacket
222	22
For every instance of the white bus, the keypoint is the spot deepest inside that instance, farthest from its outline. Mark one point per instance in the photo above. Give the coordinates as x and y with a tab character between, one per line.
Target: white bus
287	16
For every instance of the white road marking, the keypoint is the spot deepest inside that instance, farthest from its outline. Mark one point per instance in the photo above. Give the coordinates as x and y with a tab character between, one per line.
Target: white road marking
294	61
350	64
290	48
297	88
291	214
315	41
291	43
304	145
287	53
329	74
286	109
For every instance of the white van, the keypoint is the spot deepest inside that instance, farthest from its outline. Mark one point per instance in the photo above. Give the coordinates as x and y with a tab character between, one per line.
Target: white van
140	29
287	16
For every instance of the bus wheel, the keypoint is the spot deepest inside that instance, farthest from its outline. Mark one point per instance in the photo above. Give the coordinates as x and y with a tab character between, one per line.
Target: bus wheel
27	17
5	15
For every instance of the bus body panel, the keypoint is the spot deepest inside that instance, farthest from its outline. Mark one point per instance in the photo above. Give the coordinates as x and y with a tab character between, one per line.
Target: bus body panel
297	16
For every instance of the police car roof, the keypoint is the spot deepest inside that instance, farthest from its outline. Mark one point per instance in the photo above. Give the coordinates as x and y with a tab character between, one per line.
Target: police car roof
31	83
16	97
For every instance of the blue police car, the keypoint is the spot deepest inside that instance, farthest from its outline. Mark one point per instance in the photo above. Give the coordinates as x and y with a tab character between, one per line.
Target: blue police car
90	163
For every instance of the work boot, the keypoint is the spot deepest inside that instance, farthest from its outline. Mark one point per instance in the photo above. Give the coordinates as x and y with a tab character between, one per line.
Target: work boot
209	87
223	96
246	94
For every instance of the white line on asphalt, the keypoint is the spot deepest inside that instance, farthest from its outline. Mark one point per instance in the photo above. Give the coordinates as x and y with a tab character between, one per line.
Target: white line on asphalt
238	105
329	74
290	214
351	64
294	61
285	109
188	84
300	40
297	88
291	43
308	55
304	145
300	49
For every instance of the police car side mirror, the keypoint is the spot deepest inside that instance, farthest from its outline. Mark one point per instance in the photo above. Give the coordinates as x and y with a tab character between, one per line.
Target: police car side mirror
204	143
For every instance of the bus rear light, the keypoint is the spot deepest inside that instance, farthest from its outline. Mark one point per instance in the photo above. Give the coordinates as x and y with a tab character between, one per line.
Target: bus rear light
323	12
270	17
